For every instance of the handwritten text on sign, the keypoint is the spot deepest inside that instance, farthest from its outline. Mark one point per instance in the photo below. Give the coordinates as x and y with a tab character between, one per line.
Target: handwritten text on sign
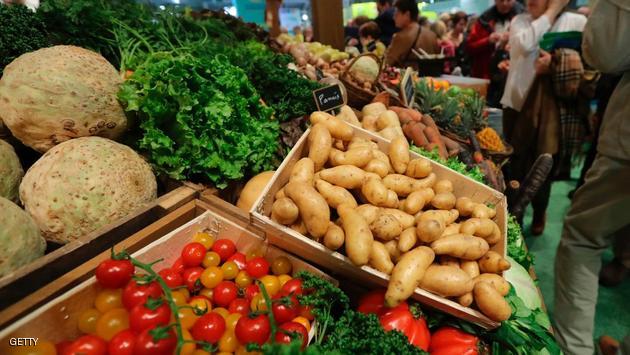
328	98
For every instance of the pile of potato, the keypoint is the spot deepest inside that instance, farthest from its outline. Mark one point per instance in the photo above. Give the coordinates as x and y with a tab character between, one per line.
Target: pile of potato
395	216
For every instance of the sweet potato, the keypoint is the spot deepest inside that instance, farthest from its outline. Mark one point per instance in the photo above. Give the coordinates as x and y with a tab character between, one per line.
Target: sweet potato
453	148
415	131
434	137
407	273
461	246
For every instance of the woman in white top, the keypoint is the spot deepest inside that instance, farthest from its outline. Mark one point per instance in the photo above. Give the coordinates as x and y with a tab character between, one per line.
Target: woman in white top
530	116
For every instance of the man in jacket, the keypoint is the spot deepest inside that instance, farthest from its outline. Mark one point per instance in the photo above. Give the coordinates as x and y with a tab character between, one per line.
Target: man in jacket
601	207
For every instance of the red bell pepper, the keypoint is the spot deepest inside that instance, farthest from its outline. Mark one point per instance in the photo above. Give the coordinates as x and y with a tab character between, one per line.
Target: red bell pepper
452	341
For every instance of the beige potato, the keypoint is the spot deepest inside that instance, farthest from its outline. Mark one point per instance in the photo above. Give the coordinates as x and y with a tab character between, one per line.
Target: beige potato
334	195
380	155
377	167
461	246
402	185
483	211
392	249
346	176
358	236
299	227
449	261
414	202
491	303
358	157
303	171
418	168
360	142
442	186
466	300
407	274
284	211
430	230
451	229
386	227
482	227
369	123
338	144
387	119
443	200
338	129
380	258
391	133
405	219
447	217
447	281
472	269
407	240
369	212
465	206
334	237
392	200
280	194
493	262
374	191
427	193
399	154
346	114
428	181
313	208
319	145
373	109
497	281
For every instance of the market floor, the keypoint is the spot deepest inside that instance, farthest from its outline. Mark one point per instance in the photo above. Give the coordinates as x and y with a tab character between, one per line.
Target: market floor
611	301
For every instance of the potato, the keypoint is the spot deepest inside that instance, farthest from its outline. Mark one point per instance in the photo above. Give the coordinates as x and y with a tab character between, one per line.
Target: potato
466	300
443	200
386	227
447	217
369	212
402	185
319	145
414	202
369	123
374	109
359	142
392	200
299	227
358	236
338	129
418	168
493	262
430	230
427	193
442	186
407	273
461	246
334	237
346	114
387	119
313	208
358	157
377	167
303	171
472	269
497	281
399	154
374	190
392	249
491	303
280	194
446	281
334	195
405	219
380	155
449	261
482	227
428	181
380	258
391	133
483	211
338	144
451	229
407	240
465	206
346	176
284	211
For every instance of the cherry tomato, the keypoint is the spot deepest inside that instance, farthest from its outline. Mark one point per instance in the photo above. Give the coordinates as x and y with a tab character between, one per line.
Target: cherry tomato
172	278
239	259
63	347
281	265
272	284
211	259
253	330
200	352
304	322
202	303
205	239
207	293
192	254
149	315
228	342
230	270
239	305
87	321
179	297
211	277
222	312
285	309
122	343
287	332
192	277
135	293
251	291
178	265
148	344
293	286
284	279
108	299
187	317
208	328
257	267
112	322
305	311
230	321
224	293
243	279
114	273
88	345
258	303
225	248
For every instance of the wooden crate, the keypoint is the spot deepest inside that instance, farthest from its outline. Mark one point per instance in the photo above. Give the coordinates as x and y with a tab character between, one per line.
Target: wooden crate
22	282
317	253
56	319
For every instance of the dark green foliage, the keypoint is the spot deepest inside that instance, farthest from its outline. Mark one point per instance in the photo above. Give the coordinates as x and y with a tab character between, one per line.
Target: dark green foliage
21	31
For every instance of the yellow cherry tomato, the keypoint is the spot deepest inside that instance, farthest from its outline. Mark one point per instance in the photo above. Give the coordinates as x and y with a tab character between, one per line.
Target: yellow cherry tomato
205	239
211	276
108	299
111	322
230	321
87	320
211	259
255	253
43	347
179	297
206	292
304	322
222	311
243	279
187	317
283	279
188	348
228	341
200	352
202	303
258	303
272	284
281	265
230	270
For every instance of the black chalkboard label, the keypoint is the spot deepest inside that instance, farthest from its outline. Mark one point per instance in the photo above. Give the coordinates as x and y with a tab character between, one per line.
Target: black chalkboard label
328	98
407	88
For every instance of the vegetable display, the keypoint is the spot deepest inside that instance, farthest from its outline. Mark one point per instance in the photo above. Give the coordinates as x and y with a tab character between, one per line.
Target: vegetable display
11	172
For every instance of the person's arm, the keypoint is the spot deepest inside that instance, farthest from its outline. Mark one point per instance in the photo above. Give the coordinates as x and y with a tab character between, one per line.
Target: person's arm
605	45
477	40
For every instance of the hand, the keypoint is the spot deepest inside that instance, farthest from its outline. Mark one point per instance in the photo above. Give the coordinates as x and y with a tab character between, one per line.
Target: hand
543	63
505	37
494	37
504	66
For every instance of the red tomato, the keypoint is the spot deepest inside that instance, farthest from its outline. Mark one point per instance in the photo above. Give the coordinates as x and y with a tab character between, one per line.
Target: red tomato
257	267
178	265
63	347
253	330
251	291
224	293
114	273
239	259
372	302
122	343
135	293
149	315
293	286
149	343
289	331
192	254
239	305
191	278
172	278
225	248
88	345
285	309
305	311
209	328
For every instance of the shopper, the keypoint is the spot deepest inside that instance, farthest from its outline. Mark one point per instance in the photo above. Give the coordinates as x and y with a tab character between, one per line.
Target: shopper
385	20
446	45
369	35
411	36
460	22
601	207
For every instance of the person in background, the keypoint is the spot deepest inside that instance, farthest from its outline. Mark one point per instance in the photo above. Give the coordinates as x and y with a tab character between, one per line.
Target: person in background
448	21
411	36
351	32
308	34
490	32
446	46
599	212
423	21
456	35
369	35
385	20
297	32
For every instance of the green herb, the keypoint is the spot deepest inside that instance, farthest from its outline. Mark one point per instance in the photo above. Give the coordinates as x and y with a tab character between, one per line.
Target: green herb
21	32
516	247
452	162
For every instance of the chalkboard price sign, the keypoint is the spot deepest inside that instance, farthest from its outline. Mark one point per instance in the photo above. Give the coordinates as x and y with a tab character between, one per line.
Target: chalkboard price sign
328	98
407	88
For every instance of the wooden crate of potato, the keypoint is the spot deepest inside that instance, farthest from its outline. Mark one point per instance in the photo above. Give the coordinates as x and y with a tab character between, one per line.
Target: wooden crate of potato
372	210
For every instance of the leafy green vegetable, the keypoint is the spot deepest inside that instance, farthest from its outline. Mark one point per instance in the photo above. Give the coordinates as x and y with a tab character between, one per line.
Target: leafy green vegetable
452	162
201	119
516	247
22	31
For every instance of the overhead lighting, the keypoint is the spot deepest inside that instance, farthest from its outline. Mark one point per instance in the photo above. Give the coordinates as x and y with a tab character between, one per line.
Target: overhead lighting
162	7
304	17
176	2
231	10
